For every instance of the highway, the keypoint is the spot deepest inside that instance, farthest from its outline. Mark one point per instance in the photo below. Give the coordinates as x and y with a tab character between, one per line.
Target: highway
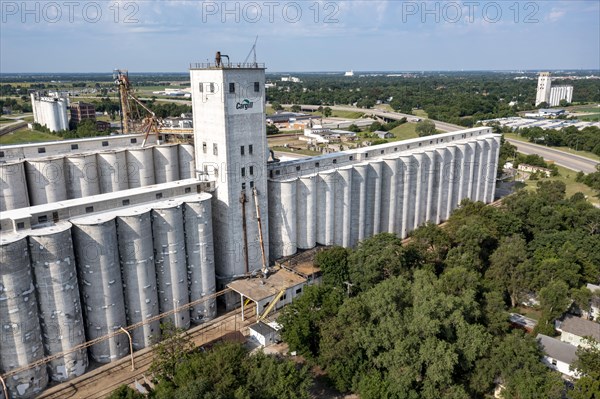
569	161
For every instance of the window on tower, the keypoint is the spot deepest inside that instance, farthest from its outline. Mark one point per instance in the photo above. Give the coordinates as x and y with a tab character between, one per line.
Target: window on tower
232	87
251	170
204	147
241	150
243	172
215	149
212	87
250	149
256	87
201	87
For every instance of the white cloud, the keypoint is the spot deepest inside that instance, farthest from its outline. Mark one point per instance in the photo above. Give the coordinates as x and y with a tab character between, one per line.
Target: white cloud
555	15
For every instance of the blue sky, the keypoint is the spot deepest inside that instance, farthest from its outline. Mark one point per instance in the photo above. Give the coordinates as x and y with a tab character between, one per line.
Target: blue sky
149	36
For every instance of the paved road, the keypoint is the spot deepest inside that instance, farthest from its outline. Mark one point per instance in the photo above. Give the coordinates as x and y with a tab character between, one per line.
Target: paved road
569	161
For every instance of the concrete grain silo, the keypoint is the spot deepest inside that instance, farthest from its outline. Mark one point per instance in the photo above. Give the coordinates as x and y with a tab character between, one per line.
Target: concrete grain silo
112	171
200	256
187	165
81	175
20	332
170	260
96	251
136	254
140	167
166	163
55	277
13	186
46	180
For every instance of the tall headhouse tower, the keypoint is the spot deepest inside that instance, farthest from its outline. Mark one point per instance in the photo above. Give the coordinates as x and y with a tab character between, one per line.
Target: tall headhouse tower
228	101
543	88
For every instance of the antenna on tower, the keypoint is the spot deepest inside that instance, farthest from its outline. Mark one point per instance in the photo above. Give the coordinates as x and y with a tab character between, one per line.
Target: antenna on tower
253	53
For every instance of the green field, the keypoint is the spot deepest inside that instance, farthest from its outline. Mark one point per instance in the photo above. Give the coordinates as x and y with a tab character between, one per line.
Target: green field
25	136
404	132
420	113
567	176
346	114
586	154
303	151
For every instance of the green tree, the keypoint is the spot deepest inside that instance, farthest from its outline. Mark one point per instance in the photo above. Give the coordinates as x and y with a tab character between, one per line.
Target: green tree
354	128
334	265
272	129
425	128
554	301
587	366
124	392
170	351
326	112
508	267
276	106
295	108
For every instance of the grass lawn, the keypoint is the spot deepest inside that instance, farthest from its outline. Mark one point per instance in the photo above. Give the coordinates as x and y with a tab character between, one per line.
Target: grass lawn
4	120
24	136
303	151
586	154
529	312
567	176
420	113
590	118
347	114
404	132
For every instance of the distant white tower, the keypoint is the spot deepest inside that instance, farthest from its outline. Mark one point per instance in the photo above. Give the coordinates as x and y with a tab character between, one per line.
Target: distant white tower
228	102
50	112
543	88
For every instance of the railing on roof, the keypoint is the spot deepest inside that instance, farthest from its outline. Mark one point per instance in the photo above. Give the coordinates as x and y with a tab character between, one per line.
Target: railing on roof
226	65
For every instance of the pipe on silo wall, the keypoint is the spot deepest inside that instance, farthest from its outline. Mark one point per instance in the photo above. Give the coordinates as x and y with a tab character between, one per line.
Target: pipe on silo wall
306	216
13	186
55	277
166	163
136	255
20	334
187	166
343	206
326	207
140	167
359	201
409	194
112	171
46	180
282	218
81	174
95	241
170	261
200	257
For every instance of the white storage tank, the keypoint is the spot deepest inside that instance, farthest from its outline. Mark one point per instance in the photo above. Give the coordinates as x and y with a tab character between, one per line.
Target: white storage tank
282	218
95	239
21	342
200	256
166	163
140	167
187	165
81	173
112	171
136	254
46	180
170	261
55	276
306	208
13	186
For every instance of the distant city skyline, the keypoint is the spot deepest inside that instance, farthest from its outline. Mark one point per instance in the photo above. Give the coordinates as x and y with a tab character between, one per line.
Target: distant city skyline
300	36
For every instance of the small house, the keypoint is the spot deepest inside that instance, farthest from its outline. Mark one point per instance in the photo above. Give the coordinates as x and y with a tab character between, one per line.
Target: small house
558	355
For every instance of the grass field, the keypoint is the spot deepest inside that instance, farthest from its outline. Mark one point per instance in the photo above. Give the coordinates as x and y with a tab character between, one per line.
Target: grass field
25	136
303	151
567	176
586	154
404	132
347	114
420	113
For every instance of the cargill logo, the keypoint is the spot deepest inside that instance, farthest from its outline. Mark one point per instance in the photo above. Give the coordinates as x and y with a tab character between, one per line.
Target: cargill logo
246	104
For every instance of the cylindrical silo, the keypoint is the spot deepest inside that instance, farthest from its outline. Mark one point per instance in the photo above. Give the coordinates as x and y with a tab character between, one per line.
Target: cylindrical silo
200	256
343	199
282	218
359	189
21	336
484	149
95	240
389	179
55	277
136	254
421	189
408	194
170	261
166	163
140	167
46	180
112	168
442	188
374	189
187	165
490	169
13	186
326	207
452	202
461	168
306	208
81	173
470	168
430	207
